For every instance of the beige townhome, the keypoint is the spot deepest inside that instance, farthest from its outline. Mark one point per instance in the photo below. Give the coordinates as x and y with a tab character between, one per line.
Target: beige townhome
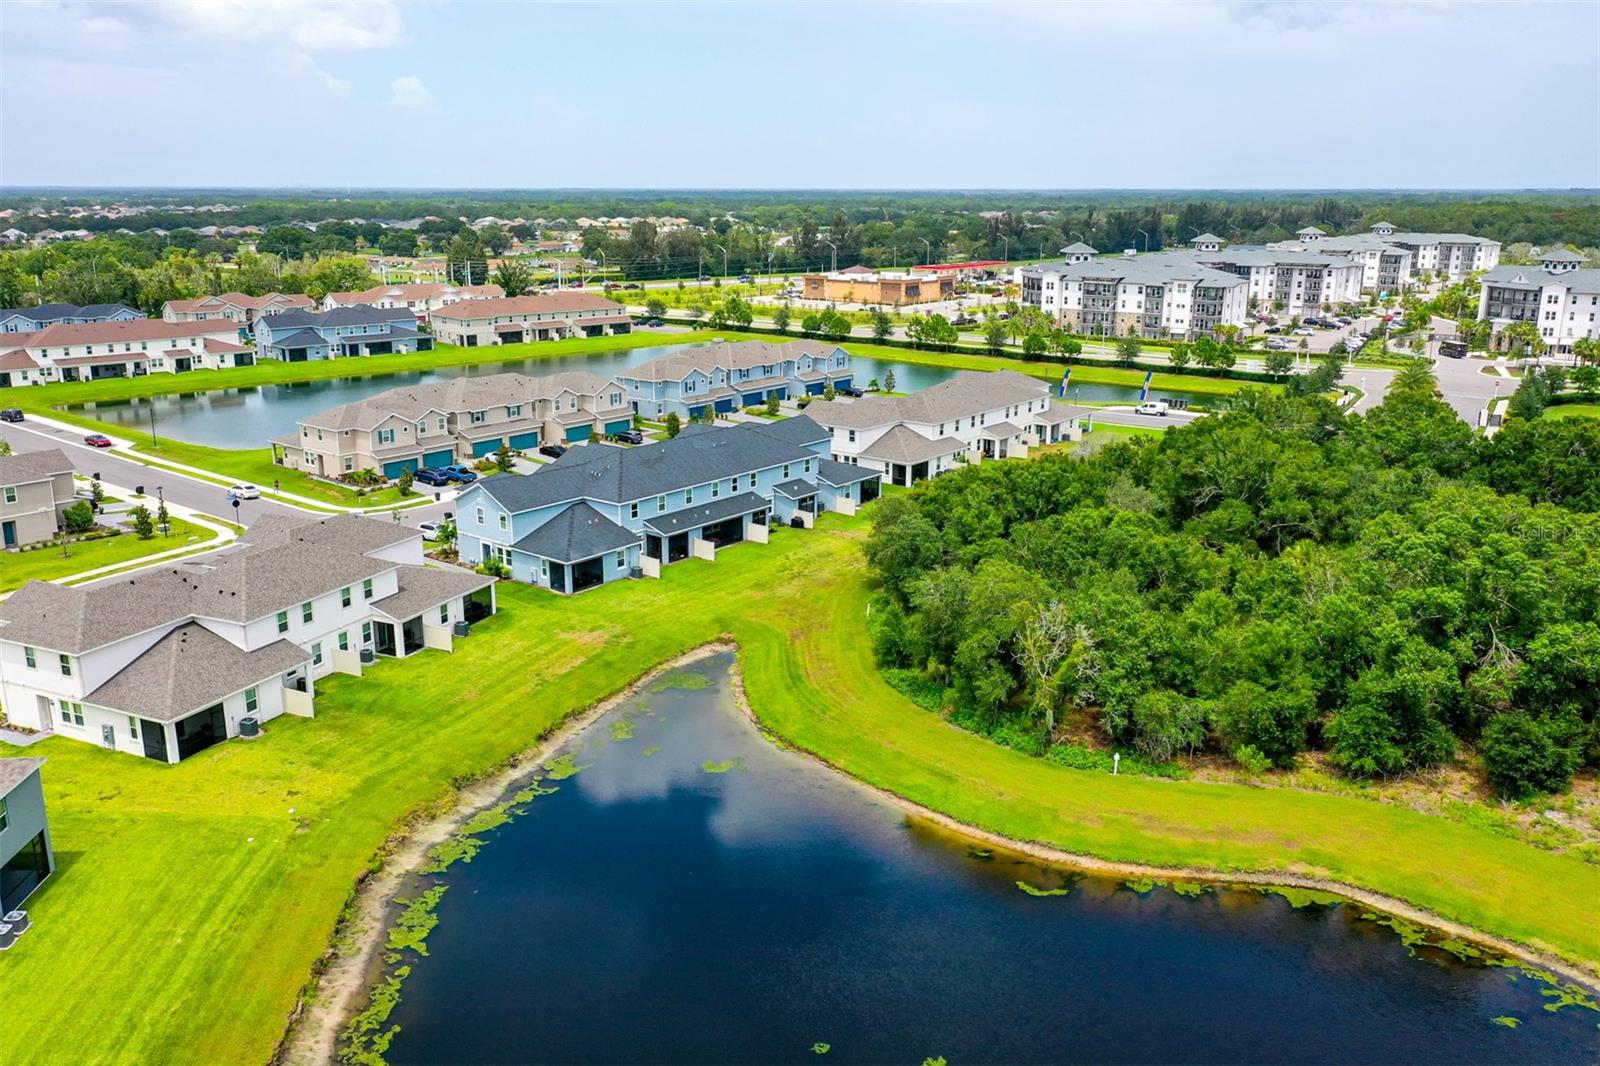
90	351
237	307
35	488
418	426
421	298
539	317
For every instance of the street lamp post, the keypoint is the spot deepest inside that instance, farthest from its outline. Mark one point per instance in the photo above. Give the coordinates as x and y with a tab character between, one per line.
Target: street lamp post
835	248
1005	248
152	421
1146	238
724	249
929	247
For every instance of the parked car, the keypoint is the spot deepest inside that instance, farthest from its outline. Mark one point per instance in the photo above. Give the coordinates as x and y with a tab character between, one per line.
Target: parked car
245	492
463	474
1311	320
97	440
554	451
654	322
1277	344
11	414
1345	320
850	390
1303	331
1273	329
746	279
628	436
429	530
633	285
431	476
1157	408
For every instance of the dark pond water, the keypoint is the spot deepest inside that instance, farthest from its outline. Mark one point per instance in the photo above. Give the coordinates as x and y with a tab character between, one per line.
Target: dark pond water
650	910
247	418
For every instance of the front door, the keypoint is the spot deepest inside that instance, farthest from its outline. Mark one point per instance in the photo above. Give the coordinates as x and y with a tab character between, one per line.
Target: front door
8	533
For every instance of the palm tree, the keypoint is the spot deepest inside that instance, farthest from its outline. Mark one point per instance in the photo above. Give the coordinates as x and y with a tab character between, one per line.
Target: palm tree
1416	379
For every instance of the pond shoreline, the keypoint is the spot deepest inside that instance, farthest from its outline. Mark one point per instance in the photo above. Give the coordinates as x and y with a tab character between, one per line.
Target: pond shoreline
333	992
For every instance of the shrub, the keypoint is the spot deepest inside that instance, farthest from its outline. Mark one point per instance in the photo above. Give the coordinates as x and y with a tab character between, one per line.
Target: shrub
1521	758
492	567
1251	759
365	477
143	524
405	481
79	517
674	424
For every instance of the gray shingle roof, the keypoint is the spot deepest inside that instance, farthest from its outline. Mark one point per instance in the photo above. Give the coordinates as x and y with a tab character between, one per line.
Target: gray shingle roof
349	532
737	355
457	395
23	467
1207	238
795	488
967	392
1156	268
254	582
999	430
1561	255
834	473
14	772
300	338
190	669
353	315
904	445
1078	248
423	588
715	511
577	533
800	430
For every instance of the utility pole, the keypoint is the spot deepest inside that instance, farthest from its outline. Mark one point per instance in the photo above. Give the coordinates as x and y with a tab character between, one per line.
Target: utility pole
929	247
724	250
835	248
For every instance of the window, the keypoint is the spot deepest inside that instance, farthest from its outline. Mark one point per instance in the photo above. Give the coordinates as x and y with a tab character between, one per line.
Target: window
850	434
366	632
544	569
133	730
688	495
349	463
250	701
283	621
66	665
11	494
477	417
786	471
344	641
505	522
513	410
316	654
444	614
716	489
305	611
29	657
422	427
622	559
385	436
616	399
441	425
344	596
480	516
633	509
71	713
661	504
366	589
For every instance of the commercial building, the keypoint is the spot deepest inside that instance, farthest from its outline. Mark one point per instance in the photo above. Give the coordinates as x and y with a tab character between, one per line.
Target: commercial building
1164	294
33	319
1559	296
414	426
422	299
974	415
863	285
35	490
27	858
121	348
239	308
725	376
603	513
538	317
300	336
168	661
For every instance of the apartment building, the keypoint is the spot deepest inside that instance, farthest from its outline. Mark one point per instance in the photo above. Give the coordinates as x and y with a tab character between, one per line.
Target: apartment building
239	308
35	489
301	336
422	299
1559	296
537	317
27	858
33	319
460	420
1164	294
863	285
1294	281
603	513
1451	256
168	661
974	415
724	376
122	348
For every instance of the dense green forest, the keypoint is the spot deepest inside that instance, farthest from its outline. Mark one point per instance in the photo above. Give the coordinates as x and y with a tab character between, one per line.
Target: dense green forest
1280	578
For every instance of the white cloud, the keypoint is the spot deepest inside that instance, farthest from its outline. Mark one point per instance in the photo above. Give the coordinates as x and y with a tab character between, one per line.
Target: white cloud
409	93
312	26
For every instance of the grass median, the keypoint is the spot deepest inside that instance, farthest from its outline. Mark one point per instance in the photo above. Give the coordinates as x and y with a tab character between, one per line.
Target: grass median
224	876
48	563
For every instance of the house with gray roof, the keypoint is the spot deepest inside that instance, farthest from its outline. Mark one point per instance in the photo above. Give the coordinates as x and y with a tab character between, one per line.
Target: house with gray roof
602	513
33	319
171	659
27	857
35	491
724	376
297	335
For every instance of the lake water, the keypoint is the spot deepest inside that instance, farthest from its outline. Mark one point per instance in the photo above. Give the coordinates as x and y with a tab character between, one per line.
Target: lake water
247	418
694	894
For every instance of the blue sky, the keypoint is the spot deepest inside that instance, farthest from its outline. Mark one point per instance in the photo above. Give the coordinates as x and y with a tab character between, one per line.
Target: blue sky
835	95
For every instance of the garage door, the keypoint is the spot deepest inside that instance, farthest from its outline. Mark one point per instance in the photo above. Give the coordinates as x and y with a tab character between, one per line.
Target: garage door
619	426
724	405
815	388
752	398
480	448
400	466
525	440
444	458
575	433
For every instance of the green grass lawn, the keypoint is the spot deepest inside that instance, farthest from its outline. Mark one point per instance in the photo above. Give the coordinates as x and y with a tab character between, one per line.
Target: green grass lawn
192	901
47	564
1573	410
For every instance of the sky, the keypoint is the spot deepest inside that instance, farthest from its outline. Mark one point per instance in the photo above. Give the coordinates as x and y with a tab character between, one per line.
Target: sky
270	93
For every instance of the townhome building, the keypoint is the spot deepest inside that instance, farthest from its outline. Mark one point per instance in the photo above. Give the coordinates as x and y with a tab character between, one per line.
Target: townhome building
1559	296
35	490
170	660
33	319
536	317
239	308
422	299
602	513
119	349
27	858
301	336
1162	294
460	420
972	416
724	376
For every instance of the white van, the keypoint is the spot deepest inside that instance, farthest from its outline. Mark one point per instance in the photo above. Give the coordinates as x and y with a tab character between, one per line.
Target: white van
1158	408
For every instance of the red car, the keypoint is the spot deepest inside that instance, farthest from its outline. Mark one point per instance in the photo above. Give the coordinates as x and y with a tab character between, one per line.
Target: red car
97	440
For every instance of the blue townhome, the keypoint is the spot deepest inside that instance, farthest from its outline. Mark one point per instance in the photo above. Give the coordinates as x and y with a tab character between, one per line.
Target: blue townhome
298	336
600	513
34	319
724	376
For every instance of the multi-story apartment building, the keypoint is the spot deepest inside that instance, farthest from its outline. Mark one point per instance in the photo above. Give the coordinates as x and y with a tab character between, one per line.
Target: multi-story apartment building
603	513
171	660
422	299
724	376
237	307
975	415
537	317
1451	256
300	336
1296	282
1560	297
124	348
417	426
1165	294
33	319
35	489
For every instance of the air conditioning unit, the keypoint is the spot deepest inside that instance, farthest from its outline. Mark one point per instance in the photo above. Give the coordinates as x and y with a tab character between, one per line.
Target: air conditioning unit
249	727
461	629
8	937
18	921
368	657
